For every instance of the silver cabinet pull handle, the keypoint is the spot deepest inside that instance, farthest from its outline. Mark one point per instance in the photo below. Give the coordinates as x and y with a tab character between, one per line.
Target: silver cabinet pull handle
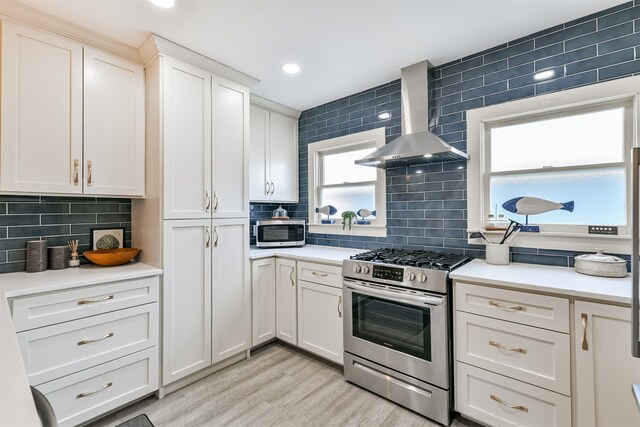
508	405
315	273
339	304
207	243
89	393
291	277
215	239
584	317
76	167
273	187
503	347
508	307
266	188
208	197
90	173
215	204
94	301
83	342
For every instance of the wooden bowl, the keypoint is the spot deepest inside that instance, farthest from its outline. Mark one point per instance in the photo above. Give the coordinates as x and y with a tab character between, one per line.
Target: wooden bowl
111	257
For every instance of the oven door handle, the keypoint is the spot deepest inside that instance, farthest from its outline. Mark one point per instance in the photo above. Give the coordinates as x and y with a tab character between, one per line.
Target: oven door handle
404	299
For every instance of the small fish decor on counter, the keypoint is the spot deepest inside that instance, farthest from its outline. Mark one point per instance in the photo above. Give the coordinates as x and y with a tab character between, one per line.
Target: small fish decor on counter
327	210
533	206
347	218
364	213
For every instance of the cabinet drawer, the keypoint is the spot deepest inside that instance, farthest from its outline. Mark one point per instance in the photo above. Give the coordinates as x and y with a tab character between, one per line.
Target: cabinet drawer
63	349
82	396
534	355
521	307
500	401
319	273
48	309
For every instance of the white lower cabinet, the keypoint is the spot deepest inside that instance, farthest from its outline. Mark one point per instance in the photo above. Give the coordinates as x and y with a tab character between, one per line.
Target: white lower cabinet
286	301
231	292
95	348
86	394
497	400
320	320
604	368
186	290
263	300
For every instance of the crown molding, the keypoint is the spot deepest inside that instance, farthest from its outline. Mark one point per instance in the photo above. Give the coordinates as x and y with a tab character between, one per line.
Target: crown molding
156	45
272	105
20	13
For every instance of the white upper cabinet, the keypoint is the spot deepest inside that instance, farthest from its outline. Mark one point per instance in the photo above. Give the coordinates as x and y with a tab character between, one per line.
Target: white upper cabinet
187	141
230	145
113	125
41	149
274	155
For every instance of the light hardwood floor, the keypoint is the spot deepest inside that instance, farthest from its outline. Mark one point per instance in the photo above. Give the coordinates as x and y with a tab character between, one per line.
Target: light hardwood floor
278	386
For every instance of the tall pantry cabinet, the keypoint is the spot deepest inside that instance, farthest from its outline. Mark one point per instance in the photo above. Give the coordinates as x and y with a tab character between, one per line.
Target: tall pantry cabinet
194	222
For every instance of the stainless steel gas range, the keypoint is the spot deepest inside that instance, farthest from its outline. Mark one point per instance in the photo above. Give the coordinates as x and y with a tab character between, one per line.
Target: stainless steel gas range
397	327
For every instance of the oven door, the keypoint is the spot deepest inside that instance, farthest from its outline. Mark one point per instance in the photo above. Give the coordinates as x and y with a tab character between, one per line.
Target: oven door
399	329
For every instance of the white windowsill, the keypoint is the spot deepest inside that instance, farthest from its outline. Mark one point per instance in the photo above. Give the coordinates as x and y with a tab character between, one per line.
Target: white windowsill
356	230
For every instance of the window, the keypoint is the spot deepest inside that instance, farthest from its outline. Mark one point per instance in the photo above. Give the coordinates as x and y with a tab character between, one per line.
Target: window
570	146
335	179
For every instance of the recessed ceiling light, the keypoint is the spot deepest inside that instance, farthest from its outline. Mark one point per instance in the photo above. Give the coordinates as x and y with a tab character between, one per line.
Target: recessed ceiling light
384	116
543	75
291	68
165	4
428	156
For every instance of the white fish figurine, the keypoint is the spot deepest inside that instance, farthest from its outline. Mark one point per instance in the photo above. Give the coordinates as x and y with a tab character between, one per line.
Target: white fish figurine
328	210
534	206
363	213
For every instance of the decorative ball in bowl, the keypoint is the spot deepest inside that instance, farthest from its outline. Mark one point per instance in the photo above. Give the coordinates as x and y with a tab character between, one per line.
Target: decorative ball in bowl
111	257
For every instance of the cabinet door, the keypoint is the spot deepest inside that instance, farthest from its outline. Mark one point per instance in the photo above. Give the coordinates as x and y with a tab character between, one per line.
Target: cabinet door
286	301
259	186
283	131
186	291
231	288
605	369
263	300
230	137
187	141
41	148
320	320
113	125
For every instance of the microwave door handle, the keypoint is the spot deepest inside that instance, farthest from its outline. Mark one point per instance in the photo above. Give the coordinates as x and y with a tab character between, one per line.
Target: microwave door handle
419	301
635	249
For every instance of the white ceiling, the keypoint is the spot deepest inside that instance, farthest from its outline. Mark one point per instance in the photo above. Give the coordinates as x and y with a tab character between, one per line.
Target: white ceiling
342	46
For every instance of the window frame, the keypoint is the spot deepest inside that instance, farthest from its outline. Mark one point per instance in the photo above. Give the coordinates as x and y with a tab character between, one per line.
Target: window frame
617	93
374	138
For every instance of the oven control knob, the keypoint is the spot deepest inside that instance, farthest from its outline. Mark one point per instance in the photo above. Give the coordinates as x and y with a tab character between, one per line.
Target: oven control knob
422	278
365	270
357	269
411	276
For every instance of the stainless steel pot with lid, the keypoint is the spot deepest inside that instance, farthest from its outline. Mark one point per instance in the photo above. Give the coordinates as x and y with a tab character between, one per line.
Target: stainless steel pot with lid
600	264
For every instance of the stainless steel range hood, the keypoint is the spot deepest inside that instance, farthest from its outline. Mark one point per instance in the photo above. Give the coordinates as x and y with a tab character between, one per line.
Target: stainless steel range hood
416	146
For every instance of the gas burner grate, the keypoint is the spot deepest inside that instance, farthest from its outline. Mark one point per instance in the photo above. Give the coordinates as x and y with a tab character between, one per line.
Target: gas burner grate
413	257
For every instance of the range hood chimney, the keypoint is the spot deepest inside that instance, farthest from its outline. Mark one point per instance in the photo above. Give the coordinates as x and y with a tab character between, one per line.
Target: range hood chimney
416	146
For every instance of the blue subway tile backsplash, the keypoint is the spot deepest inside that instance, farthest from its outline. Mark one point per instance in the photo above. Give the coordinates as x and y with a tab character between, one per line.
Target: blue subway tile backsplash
427	209
56	220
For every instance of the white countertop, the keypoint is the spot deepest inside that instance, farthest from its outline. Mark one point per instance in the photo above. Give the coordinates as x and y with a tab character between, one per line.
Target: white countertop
16	404
323	254
552	280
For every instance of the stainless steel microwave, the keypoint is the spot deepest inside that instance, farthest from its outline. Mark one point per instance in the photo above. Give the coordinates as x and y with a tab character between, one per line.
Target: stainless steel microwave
280	233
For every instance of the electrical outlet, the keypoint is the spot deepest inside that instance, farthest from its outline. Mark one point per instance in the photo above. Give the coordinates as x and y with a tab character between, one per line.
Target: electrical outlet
603	229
